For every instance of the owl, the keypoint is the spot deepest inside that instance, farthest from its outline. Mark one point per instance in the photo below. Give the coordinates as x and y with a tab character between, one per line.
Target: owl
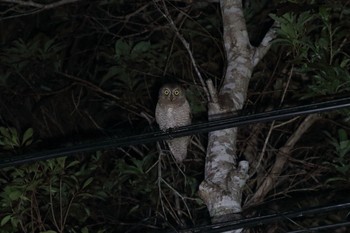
173	111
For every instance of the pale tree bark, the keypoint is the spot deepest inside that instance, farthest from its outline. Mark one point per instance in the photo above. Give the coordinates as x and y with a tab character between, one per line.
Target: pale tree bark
225	178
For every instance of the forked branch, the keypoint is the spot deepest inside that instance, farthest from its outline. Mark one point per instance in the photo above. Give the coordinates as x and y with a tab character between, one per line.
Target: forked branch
281	159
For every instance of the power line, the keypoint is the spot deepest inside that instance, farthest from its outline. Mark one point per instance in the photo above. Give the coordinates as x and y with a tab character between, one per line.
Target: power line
263	220
323	227
181	131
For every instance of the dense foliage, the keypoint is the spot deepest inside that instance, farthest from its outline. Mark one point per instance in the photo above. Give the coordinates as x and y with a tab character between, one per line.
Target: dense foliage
92	69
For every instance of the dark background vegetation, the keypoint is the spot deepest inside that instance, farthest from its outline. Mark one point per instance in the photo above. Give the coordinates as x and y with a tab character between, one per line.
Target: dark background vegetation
92	69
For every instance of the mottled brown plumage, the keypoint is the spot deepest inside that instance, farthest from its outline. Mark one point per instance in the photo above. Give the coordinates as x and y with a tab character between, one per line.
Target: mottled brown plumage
173	111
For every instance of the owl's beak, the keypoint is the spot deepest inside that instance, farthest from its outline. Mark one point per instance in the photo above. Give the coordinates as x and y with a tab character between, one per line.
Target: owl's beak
171	97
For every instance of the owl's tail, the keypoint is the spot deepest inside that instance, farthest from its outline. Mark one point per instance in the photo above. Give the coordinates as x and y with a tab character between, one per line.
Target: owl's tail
178	147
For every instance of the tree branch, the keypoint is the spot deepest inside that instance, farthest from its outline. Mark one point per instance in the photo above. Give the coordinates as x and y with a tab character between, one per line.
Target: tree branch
224	180
39	5
265	45
166	15
281	159
238	53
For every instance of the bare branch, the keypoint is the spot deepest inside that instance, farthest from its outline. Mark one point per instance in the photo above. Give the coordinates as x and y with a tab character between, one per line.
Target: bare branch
265	45
39	5
281	159
166	15
99	90
212	91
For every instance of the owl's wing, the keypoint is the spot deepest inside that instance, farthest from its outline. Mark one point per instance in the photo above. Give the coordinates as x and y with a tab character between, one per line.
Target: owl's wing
160	117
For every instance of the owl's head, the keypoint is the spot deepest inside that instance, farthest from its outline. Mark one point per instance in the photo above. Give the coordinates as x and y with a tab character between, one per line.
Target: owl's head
172	93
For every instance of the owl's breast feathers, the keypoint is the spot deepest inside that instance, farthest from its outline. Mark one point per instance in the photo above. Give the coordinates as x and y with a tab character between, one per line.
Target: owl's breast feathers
173	116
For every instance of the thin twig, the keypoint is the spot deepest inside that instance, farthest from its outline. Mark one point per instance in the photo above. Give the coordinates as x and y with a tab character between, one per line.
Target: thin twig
272	127
264	148
281	159
287	85
265	44
159	179
166	15
212	91
286	122
52	208
39	5
99	90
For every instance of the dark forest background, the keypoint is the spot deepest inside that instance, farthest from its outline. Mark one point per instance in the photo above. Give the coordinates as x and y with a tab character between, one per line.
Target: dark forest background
91	69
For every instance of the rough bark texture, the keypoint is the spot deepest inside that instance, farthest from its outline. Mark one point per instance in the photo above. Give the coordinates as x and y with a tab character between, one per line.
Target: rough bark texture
224	178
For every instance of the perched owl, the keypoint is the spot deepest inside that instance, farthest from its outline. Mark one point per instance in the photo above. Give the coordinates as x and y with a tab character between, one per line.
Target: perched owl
173	111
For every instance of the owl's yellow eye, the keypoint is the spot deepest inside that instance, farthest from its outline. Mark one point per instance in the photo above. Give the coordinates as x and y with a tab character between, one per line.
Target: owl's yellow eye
176	92
166	92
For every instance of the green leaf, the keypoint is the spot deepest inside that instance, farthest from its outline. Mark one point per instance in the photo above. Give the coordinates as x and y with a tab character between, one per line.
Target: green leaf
133	209
14	222
324	13
72	164
335	179
4	132
28	134
85	230
15	195
61	162
49	231
141	47
87	182
342	135
121	48
343	169
29	142
5	220
14	137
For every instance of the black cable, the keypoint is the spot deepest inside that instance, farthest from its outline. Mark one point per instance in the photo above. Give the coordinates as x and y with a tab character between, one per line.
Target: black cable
181	131
324	227
262	220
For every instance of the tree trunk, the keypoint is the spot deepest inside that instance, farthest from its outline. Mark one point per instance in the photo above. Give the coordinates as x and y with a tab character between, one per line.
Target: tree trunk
224	179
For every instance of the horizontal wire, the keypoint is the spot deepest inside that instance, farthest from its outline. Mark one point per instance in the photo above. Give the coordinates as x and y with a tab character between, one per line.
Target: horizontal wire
323	227
262	220
145	138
